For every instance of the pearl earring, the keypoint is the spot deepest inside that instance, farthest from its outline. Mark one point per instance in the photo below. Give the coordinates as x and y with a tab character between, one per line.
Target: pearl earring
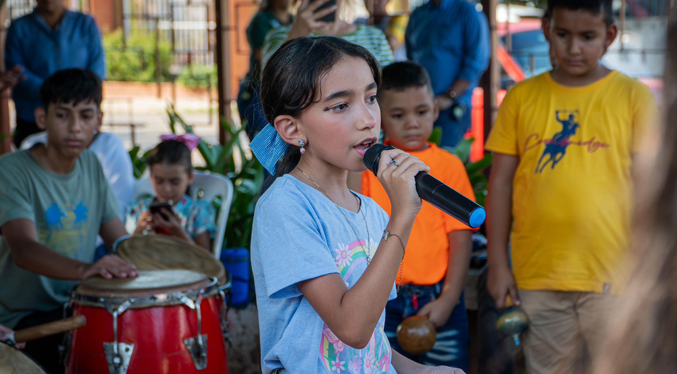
303	144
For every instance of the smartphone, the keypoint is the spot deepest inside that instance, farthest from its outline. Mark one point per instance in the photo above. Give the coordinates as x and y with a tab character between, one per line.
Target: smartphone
156	208
329	17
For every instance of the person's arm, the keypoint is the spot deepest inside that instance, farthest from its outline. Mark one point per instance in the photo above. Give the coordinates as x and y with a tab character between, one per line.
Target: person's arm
457	89
10	78
97	56
203	241
112	231
460	247
29	254
500	281
352	314
475	58
308	18
404	365
30	86
4	331
477	51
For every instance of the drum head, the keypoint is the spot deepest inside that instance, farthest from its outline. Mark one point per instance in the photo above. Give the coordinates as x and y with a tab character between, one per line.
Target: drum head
161	252
147	283
13	361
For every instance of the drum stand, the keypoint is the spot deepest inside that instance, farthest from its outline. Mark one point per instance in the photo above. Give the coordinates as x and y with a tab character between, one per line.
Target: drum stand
223	291
197	346
118	354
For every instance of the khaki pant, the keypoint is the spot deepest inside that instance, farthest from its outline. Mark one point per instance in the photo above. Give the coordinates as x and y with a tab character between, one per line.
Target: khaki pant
565	328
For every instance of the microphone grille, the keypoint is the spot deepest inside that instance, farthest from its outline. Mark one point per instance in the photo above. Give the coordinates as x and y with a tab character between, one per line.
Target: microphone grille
373	156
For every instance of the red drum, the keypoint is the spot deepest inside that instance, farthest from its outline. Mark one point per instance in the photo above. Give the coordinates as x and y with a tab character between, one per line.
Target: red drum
163	321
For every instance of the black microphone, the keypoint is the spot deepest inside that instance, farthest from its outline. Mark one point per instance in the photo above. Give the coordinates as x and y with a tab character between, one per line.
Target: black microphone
435	192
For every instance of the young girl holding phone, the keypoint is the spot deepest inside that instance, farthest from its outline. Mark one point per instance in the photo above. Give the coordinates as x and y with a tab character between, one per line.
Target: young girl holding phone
171	211
325	259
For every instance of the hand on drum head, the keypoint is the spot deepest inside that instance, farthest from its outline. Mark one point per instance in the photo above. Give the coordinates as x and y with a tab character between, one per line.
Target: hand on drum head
6	330
110	267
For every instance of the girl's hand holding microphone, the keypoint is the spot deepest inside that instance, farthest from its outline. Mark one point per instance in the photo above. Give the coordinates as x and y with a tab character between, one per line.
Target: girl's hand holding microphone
396	172
308	18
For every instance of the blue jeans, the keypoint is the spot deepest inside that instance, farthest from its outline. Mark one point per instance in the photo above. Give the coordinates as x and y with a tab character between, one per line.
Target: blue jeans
453	339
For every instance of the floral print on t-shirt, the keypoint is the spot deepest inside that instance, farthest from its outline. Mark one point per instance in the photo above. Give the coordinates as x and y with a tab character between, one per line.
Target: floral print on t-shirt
338	357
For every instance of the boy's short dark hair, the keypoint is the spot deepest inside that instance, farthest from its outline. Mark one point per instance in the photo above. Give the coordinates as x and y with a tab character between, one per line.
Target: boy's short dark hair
402	75
71	86
592	6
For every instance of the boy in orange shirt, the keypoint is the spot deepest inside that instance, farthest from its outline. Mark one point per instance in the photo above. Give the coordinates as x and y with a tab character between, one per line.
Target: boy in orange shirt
438	253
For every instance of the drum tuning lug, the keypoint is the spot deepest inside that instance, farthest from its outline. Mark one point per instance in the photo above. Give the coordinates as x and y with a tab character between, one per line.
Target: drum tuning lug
118	363
197	347
187	302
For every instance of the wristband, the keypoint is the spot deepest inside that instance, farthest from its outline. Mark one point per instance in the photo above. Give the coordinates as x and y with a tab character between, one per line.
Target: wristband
115	245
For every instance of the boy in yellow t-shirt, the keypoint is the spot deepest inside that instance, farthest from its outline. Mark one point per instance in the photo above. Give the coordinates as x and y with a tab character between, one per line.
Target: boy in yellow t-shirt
438	254
564	143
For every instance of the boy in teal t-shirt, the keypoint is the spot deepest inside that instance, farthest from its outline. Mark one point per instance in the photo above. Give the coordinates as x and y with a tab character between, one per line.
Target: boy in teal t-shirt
54	201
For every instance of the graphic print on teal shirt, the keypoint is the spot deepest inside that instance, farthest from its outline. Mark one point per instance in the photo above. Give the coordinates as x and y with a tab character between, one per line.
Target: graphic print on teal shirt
64	229
338	357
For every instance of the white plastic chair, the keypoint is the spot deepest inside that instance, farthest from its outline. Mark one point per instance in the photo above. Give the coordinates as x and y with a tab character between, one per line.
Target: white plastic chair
206	186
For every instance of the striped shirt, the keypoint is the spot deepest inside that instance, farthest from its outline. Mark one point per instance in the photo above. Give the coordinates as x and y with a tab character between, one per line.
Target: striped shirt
368	37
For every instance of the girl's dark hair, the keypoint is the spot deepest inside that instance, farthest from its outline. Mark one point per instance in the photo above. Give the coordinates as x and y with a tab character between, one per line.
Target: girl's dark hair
291	79
170	152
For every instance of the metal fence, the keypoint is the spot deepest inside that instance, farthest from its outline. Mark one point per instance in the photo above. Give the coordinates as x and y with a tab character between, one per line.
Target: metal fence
18	8
189	25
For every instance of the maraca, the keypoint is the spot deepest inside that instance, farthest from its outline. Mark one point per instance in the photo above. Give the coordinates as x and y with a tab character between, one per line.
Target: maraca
513	321
416	335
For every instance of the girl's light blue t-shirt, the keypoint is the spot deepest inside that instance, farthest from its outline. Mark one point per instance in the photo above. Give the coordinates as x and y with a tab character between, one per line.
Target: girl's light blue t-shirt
298	235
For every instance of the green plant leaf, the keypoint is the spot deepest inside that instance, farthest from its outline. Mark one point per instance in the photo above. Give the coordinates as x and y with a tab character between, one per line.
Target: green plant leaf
480	165
134	60
477	179
138	161
462	150
436	136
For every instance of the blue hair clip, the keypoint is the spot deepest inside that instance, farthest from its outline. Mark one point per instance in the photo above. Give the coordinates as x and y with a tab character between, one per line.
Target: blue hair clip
268	147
